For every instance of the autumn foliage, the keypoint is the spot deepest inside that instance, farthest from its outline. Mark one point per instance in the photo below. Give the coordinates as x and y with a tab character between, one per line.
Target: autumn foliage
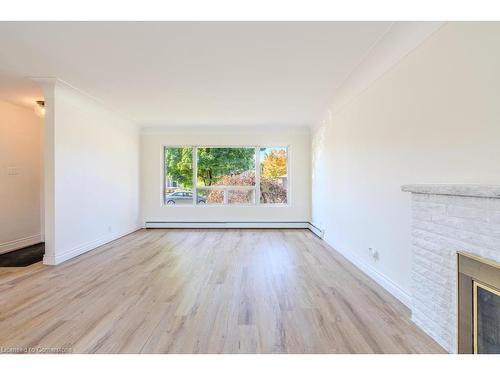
272	190
274	164
235	196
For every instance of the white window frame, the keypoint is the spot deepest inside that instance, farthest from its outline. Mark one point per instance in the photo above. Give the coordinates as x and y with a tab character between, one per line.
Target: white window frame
255	188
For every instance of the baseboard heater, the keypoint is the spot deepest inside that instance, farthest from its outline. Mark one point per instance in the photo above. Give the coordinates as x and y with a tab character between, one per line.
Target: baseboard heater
236	225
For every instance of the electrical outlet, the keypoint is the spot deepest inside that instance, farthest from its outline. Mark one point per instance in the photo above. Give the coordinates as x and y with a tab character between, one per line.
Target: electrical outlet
12	171
373	253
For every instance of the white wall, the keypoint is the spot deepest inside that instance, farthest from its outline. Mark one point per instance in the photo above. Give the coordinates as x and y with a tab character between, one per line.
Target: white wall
93	189
153	140
435	117
20	194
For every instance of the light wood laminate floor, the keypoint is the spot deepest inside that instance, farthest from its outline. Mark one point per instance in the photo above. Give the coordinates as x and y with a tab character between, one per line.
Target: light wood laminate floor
205	291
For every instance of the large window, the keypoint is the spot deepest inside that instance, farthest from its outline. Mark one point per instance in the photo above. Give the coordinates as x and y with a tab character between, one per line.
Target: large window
225	175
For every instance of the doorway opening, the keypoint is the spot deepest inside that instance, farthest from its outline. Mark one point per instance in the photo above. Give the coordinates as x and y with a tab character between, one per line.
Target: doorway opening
22	110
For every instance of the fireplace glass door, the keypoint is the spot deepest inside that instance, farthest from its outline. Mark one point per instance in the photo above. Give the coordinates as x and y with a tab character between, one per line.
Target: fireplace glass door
486	319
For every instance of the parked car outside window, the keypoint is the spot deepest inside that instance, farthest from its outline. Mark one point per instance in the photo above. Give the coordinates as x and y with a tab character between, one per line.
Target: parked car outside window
182	197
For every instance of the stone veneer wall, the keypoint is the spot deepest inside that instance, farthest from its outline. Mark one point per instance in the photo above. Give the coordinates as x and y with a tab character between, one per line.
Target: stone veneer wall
446	219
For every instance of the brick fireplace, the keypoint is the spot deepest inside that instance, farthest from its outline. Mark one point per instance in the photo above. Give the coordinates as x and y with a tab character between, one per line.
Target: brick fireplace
448	219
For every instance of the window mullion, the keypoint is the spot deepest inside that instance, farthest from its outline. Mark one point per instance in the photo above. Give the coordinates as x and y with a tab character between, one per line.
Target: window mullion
195	175
257	176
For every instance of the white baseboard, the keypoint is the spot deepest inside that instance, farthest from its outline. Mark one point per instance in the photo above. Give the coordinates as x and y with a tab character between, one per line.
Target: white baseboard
380	279
316	230
69	254
20	243
229	224
235	225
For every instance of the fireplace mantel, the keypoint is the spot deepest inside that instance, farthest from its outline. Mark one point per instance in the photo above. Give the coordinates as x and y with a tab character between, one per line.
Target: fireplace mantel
447	219
463	190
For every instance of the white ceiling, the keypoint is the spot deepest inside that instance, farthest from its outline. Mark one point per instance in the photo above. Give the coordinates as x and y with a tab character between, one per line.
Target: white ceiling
195	73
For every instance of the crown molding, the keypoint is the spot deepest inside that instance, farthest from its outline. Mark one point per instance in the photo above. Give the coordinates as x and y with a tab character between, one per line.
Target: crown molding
48	85
396	43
